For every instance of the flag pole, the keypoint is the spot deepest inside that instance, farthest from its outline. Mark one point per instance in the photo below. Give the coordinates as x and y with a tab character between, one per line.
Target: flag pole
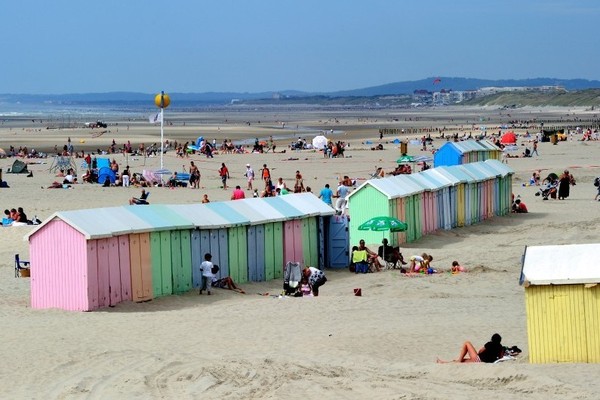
161	136
162	101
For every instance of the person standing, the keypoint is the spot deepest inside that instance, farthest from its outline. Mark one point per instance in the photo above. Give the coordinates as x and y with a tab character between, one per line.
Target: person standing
565	182
265	173
224	173
299	183
326	194
249	176
535	148
194	176
207	274
125	176
341	193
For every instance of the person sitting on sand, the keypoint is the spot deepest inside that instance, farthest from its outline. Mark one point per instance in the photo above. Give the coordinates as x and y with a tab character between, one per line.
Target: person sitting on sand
141	200
7	220
490	353
224	283
519	207
205	199
457	268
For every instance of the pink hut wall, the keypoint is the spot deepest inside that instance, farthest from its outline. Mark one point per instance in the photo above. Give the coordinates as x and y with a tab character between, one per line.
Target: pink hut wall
292	242
60	272
429	215
125	263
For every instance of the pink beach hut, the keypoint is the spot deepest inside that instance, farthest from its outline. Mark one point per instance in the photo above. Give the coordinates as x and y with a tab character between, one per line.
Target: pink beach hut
84	260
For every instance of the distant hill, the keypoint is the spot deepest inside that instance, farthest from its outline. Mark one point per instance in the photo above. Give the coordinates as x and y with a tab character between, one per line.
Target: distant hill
369	95
577	98
461	84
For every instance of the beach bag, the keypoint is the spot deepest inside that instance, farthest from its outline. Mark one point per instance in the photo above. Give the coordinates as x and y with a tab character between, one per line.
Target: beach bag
597	181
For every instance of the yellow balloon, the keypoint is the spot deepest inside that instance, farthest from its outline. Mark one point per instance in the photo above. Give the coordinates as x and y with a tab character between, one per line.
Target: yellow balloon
166	100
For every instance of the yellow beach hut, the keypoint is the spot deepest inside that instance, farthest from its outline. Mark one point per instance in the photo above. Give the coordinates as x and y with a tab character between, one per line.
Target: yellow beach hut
562	299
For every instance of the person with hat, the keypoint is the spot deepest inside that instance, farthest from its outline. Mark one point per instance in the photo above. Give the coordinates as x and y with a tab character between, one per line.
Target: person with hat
249	174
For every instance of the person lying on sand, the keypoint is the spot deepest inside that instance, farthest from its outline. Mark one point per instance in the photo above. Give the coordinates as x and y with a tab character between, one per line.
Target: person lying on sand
489	353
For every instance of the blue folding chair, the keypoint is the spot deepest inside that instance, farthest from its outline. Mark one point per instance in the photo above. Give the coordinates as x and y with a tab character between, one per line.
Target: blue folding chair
21	267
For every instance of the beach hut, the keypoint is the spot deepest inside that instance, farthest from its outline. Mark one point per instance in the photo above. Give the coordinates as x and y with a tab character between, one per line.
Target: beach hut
445	197
466	151
396	196
479	195
86	259
429	211
504	186
562	302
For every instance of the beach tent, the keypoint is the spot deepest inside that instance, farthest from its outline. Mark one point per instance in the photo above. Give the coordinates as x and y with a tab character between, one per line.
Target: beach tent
562	302
18	167
508	138
104	173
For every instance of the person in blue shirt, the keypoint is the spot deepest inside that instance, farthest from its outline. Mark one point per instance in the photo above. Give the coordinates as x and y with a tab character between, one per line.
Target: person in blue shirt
326	194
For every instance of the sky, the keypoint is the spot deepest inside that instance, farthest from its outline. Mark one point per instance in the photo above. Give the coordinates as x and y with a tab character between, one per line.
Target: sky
196	46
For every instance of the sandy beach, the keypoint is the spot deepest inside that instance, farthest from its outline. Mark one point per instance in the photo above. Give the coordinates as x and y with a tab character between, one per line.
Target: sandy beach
382	345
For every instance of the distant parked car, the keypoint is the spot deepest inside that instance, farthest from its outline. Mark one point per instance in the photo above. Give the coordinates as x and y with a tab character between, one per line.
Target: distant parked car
97	124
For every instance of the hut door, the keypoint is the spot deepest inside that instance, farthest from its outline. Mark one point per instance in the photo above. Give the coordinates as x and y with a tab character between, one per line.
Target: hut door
292	238
338	242
256	253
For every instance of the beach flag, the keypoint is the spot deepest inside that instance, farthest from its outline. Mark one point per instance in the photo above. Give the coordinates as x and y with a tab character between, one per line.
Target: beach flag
154	118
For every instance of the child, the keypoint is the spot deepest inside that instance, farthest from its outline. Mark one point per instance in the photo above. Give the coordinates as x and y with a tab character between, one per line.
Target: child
457	268
428	268
207	274
418	259
305	287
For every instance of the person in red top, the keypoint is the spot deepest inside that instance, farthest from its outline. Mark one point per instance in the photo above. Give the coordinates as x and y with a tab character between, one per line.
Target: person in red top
519	207
224	173
266	174
238	193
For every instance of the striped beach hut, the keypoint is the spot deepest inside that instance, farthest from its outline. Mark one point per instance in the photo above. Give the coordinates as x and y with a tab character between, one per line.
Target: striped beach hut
504	186
429	201
562	302
396	196
479	194
445	196
466	151
86	259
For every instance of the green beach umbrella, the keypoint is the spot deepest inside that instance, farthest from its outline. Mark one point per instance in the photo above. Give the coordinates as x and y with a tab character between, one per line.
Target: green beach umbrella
405	159
383	224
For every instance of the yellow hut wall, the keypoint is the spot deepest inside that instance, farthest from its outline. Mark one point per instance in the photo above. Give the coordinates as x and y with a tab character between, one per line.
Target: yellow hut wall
563	323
